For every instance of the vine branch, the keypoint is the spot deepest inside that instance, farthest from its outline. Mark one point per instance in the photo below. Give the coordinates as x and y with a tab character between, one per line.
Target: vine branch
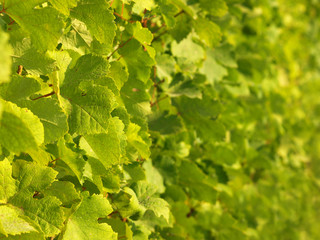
119	46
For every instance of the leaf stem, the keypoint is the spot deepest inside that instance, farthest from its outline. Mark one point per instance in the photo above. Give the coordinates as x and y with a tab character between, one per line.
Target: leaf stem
43	96
176	15
119	46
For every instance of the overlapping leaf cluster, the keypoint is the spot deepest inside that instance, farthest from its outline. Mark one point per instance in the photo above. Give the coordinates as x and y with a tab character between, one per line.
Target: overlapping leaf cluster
167	119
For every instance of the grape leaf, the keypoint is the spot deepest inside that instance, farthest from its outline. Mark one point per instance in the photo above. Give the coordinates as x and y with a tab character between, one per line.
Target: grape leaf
137	60
92	207
127	203
44	211
143	35
89	104
208	32
20	88
33	61
184	88
1	109
105	179
217	8
182	28
78	39
136	141
165	66
5	59
145	194
107	147
188	50
136	98
44	25
213	70
8	184
140	5
71	158
122	228
20	129
64	6
64	191
197	183
27	236
98	18
168	11
12	223
164	123
119	74
51	115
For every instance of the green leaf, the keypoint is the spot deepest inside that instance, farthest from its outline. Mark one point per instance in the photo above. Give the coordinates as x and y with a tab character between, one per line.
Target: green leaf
83	223
46	212
89	105
40	156
196	182
140	5
137	60
127	203
33	61
8	184
182	28
51	115
213	70
208	32
98	18
33	177
109	147
43	24
202	115
1	109
136	98
5	59
105	179
186	88
64	191
27	236
119	75
168	11
187	50
72	158
164	123
136	141
165	66
153	176
87	68
120	227
193	109
64	6
143	35
62	60
224	56
22	140
20	88
78	39
217	8
135	171
20	129
181	4
222	154
145	194
12	221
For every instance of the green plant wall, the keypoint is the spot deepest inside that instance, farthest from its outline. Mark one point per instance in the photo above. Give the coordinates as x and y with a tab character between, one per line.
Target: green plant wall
159	119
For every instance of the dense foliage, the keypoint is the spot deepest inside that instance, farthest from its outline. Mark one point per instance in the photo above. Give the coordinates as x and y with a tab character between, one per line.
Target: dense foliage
159	119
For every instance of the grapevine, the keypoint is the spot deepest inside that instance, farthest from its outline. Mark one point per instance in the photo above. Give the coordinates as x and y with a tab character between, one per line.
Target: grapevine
159	119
